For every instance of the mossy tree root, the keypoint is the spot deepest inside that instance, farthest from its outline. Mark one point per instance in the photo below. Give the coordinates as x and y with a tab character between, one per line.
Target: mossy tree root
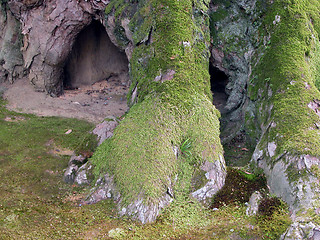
171	99
288	105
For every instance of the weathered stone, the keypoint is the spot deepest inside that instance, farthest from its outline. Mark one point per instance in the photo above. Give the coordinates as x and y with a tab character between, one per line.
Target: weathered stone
105	129
11	60
82	175
93	58
215	174
49	32
70	173
104	189
272	149
146	213
231	53
253	205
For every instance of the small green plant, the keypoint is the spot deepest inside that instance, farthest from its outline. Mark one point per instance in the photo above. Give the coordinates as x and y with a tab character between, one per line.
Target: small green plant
185	148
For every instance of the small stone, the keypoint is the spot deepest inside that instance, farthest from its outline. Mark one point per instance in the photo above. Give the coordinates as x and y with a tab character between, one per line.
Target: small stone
254	203
70	173
68	132
272	148
81	178
116	233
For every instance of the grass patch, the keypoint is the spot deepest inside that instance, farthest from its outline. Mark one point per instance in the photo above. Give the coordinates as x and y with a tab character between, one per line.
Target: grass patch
36	204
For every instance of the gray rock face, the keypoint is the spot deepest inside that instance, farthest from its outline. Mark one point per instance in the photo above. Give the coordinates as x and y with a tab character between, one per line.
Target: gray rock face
104	189
294	179
72	170
11	60
70	173
105	129
93	58
215	173
146	213
231	52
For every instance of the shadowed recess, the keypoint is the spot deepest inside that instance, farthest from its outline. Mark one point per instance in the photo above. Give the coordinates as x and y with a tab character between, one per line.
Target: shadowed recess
93	58
218	80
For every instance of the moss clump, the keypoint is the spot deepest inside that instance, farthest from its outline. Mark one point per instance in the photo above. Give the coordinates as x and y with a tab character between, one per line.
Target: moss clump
268	206
238	188
141	152
273	218
315	170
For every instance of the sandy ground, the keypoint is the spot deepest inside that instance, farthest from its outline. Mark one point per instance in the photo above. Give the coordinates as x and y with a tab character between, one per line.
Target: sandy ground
92	103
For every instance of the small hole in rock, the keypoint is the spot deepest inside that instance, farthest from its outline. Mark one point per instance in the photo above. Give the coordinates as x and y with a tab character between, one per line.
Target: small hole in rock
218	80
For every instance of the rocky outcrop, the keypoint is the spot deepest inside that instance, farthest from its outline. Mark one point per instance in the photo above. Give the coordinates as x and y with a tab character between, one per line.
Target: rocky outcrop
93	58
234	31
11	60
49	31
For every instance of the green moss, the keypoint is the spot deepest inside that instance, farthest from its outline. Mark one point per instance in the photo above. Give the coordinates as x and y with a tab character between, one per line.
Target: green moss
116	5
143	143
185	214
285	72
87	145
238	188
36	204
198	179
315	170
141	23
140	154
275	219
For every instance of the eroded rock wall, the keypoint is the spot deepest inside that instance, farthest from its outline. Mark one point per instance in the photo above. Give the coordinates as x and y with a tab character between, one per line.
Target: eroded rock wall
11	60
49	29
234	34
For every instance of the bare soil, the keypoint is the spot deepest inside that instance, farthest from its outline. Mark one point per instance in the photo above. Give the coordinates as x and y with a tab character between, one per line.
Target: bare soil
92	103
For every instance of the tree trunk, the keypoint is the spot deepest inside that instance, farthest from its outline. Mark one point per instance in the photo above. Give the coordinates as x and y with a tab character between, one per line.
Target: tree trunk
287	100
149	158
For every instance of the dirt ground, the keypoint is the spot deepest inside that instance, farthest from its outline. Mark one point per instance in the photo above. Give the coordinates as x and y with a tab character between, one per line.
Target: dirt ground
92	103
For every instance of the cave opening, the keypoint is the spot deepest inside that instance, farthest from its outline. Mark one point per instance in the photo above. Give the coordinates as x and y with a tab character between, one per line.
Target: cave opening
94	58
218	81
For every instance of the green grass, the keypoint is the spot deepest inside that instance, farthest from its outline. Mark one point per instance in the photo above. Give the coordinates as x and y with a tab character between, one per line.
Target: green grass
35	203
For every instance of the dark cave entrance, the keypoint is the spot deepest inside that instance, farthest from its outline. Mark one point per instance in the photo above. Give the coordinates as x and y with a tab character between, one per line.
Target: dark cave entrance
94	58
218	81
237	148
